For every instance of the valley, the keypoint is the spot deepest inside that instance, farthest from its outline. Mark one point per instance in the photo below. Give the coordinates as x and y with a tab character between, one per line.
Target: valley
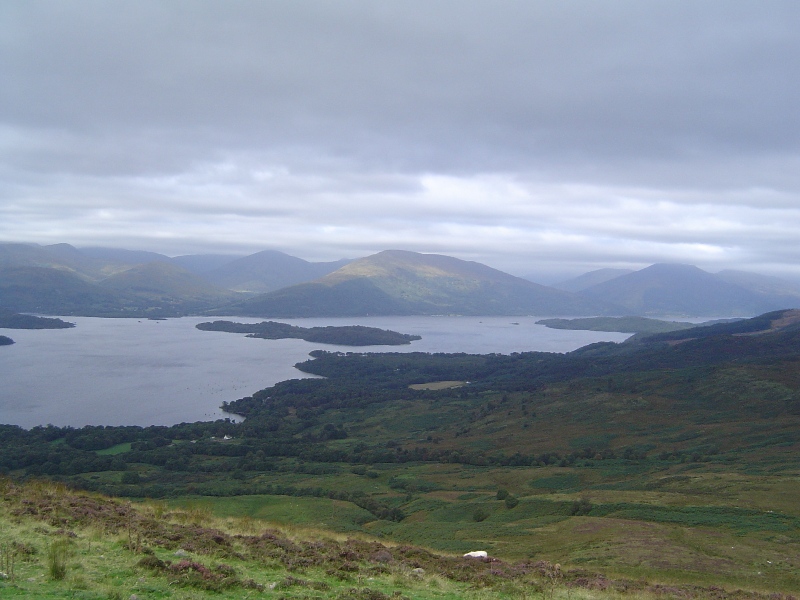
655	463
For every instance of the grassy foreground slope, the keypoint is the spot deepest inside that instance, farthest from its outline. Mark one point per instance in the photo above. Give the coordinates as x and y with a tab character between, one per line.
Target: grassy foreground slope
61	544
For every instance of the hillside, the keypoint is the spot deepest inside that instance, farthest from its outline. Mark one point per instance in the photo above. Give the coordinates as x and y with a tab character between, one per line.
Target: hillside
53	291
762	284
576	284
667	289
161	283
396	282
202	263
673	461
62	257
63	544
267	271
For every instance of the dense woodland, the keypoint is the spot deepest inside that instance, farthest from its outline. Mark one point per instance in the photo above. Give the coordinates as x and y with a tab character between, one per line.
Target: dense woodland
11	320
348	335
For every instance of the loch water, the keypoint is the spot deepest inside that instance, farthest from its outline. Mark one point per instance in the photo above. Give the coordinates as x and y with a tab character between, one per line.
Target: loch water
146	372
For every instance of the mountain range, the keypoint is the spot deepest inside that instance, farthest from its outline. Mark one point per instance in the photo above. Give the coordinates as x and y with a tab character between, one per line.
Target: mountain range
62	279
396	282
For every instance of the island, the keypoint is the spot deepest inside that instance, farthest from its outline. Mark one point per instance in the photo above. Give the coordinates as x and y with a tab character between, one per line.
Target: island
10	320
348	335
5	341
617	324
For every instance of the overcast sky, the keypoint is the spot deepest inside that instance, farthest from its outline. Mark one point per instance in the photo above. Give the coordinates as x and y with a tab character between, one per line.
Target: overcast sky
539	137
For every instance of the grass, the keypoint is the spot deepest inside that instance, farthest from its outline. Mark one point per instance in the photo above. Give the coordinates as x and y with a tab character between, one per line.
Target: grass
108	549
114	450
436	385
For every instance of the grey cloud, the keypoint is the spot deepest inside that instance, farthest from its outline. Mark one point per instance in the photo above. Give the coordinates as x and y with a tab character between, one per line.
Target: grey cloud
510	132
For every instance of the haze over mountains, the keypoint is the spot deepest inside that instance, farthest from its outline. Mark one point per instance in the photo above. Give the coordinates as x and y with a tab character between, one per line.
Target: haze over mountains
62	279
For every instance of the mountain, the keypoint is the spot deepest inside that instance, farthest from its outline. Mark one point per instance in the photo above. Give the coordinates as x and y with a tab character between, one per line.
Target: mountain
120	256
267	271
202	263
53	291
762	284
161	282
576	284
92	264
396	282
672	289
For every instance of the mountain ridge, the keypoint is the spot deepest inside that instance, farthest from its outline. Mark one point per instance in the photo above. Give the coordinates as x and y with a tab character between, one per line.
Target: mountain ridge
677	289
399	282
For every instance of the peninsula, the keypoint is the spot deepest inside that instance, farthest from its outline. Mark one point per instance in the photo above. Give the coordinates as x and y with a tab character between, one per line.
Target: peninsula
11	320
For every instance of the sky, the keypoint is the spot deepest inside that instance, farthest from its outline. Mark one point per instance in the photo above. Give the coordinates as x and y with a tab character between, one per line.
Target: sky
542	138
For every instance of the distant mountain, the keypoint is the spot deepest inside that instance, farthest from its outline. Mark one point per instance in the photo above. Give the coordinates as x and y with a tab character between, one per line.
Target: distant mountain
581	282
762	284
396	282
161	282
203	263
120	256
670	289
267	271
92	264
53	291
58	256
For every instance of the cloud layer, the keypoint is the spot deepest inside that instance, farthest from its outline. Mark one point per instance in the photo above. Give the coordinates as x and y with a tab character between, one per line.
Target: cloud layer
535	137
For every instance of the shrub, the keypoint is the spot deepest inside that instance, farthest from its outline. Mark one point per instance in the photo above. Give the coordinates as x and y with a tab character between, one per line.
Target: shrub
502	494
581	507
131	478
57	556
480	515
511	501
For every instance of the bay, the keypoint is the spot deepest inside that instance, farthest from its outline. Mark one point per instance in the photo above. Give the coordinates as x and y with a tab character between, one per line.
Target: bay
142	372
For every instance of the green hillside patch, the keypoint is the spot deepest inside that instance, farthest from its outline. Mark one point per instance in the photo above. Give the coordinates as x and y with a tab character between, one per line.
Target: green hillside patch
59	544
115	449
436	385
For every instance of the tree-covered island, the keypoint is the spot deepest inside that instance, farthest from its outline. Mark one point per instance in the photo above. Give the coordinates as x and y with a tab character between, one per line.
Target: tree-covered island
349	335
11	320
5	341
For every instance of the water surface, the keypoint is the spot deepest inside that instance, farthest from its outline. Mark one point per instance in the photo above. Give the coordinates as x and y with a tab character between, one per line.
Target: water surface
141	372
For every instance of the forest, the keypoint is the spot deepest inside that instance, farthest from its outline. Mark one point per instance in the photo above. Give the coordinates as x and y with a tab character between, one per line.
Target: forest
347	335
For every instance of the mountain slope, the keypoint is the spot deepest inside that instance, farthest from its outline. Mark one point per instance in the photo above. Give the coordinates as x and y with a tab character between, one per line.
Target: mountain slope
165	282
267	271
761	284
581	282
199	264
121	256
53	291
396	282
670	289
